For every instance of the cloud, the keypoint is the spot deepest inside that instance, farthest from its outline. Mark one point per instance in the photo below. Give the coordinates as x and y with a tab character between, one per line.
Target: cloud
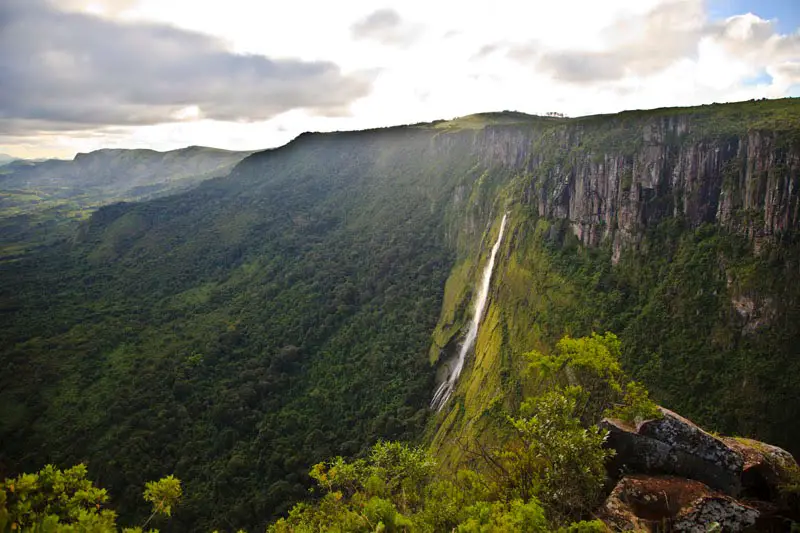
638	45
787	74
67	70
650	43
101	7
748	36
386	27
486	51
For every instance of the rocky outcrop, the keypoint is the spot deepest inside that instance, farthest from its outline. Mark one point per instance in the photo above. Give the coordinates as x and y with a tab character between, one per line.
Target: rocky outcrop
676	446
672	474
641	502
709	457
766	468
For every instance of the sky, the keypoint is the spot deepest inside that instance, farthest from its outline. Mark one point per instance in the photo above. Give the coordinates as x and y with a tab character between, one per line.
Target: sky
79	75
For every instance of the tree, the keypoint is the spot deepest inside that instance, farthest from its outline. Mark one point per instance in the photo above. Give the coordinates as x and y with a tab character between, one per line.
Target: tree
163	494
62	501
592	363
52	499
547	475
554	457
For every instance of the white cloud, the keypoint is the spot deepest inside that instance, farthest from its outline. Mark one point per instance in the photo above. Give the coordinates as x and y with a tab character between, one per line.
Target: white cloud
457	58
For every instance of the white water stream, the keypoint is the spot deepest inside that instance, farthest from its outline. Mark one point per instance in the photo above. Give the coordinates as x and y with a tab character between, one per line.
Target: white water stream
448	385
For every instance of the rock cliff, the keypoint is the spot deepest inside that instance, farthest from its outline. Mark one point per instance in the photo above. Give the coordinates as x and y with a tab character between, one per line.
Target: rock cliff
612	177
675	228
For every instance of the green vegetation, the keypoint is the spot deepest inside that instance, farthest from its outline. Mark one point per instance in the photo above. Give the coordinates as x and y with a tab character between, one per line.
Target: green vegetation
241	331
725	367
238	333
56	501
396	489
42	202
164	494
593	362
547	475
673	302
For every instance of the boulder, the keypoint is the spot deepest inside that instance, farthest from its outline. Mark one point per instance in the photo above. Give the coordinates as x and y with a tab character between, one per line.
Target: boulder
673	445
674	476
766	469
720	512
706	457
634	452
640	502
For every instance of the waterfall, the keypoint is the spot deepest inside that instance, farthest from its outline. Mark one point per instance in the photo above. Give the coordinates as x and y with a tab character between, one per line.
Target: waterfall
446	388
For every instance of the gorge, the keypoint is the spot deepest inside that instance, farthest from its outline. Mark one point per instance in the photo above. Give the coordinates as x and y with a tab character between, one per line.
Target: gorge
298	307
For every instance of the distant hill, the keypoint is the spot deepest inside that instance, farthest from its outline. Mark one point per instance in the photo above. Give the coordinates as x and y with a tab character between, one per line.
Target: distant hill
38	196
103	176
5	158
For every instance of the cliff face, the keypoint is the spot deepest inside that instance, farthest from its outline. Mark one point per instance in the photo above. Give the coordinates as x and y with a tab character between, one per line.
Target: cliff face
676	229
611	179
745	184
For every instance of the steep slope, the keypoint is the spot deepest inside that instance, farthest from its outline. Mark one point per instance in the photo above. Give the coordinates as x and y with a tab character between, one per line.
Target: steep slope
675	228
236	332
240	331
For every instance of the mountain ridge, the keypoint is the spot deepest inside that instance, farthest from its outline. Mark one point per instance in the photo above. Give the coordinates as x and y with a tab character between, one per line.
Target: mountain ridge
42	200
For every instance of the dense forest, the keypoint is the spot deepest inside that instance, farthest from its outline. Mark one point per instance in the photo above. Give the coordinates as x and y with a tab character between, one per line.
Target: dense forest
547	475
298	309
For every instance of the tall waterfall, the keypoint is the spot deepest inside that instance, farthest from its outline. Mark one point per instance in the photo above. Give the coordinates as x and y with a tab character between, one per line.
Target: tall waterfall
446	388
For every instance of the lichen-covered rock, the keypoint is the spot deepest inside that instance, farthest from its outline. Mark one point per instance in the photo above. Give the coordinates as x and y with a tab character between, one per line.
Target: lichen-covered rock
618	512
728	514
705	457
766	468
710	472
673	446
641	502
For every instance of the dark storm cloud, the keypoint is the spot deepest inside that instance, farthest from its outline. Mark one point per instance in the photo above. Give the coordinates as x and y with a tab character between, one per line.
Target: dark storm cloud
62	70
387	27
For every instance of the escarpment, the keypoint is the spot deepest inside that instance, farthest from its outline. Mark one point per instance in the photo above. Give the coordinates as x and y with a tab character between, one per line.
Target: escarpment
300	307
613	179
675	228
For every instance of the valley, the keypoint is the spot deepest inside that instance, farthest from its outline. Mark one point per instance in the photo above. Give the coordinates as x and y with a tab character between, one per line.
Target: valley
298	306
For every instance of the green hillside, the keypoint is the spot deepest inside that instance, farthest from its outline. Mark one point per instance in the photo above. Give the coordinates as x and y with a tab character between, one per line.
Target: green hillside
300	307
42	201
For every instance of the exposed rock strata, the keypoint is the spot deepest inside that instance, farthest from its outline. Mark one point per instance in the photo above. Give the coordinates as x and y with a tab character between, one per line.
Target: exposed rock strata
614	186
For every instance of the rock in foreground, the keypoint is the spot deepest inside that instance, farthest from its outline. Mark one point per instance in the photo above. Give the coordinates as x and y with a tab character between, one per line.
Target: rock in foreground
674	476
